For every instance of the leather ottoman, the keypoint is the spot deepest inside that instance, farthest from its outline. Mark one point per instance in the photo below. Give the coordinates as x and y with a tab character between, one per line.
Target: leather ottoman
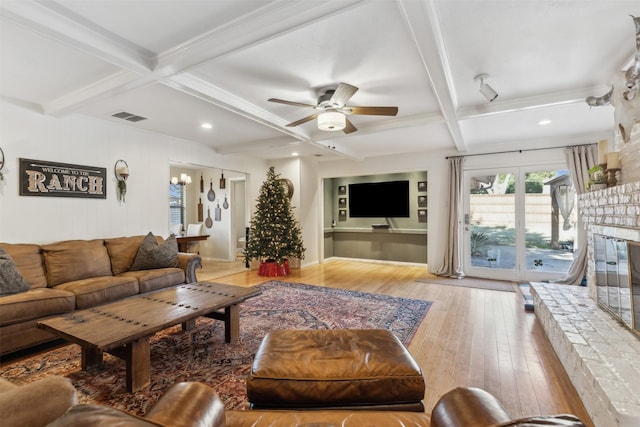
324	369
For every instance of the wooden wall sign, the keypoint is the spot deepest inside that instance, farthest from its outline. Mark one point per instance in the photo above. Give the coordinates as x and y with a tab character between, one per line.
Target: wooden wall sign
43	178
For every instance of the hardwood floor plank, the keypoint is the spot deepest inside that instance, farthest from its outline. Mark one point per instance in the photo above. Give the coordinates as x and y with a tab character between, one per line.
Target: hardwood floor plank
470	337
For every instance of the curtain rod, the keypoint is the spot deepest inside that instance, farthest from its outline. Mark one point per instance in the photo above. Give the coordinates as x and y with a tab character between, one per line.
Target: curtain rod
517	151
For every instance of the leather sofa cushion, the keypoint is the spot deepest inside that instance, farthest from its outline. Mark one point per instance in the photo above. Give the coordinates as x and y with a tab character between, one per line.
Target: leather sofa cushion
100	290
123	250
326	418
37	403
151	280
28	259
307	368
98	416
72	260
468	407
34	304
188	404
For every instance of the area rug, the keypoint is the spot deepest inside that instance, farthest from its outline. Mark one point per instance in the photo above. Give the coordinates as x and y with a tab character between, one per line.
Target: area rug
202	355
472	282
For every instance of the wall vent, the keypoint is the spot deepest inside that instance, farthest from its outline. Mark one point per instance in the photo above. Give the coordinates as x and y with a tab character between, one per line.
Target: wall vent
128	116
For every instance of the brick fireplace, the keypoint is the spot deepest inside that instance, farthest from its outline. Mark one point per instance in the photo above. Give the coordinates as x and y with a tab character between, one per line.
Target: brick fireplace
592	328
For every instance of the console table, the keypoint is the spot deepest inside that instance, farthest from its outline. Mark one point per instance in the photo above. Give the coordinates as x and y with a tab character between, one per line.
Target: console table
183	241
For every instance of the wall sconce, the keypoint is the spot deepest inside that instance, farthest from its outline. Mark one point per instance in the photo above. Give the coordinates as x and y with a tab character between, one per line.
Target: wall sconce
184	179
121	169
486	90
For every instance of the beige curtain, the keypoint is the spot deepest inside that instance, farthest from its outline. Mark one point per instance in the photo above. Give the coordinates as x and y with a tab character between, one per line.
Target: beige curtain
452	263
580	160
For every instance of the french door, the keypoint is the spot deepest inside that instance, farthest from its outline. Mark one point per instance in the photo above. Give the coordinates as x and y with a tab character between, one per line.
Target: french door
519	223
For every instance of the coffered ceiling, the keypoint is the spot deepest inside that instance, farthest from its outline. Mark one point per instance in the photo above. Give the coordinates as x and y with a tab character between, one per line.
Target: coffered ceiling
179	63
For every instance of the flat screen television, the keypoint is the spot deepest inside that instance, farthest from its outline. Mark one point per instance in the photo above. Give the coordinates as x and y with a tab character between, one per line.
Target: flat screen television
389	199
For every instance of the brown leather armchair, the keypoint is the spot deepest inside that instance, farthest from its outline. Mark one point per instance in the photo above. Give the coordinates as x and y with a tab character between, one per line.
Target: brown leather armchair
192	404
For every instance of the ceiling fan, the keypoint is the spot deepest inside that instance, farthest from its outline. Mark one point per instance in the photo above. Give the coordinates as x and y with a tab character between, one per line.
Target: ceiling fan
332	109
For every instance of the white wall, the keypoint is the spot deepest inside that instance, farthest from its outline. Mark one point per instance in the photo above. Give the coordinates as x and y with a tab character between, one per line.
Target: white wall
311	210
86	141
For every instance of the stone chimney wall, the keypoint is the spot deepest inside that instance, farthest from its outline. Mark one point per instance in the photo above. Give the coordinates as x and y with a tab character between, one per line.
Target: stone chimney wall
617	206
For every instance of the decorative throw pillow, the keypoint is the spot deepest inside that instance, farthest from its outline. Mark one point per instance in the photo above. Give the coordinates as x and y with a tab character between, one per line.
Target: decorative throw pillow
153	255
11	281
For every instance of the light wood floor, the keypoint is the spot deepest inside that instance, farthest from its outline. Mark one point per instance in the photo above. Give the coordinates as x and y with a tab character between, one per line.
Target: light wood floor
470	337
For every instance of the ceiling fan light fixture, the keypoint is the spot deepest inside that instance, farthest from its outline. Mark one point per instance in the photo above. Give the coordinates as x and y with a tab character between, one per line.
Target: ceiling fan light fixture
486	90
331	121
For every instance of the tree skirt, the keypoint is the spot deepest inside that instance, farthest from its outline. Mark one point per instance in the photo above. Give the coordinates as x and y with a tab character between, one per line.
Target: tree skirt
202	355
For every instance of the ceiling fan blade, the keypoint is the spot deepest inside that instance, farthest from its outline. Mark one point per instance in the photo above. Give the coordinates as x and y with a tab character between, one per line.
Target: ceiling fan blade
297	104
373	111
343	93
303	120
349	127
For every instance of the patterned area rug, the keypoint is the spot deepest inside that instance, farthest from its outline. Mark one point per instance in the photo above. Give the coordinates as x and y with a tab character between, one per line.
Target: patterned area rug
202	355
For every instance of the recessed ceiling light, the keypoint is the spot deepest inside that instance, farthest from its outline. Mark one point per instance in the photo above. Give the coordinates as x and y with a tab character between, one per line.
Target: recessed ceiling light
294	153
206	126
544	122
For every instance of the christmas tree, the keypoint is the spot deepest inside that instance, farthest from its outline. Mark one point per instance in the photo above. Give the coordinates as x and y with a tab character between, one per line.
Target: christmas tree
274	234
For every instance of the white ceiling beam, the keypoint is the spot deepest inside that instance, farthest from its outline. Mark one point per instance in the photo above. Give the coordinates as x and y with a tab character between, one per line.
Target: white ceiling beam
338	146
422	20
255	146
57	23
328	145
215	95
119	82
529	103
272	20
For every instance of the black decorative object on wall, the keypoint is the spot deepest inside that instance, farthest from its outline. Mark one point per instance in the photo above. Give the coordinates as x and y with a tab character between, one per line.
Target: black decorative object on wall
223	182
1	163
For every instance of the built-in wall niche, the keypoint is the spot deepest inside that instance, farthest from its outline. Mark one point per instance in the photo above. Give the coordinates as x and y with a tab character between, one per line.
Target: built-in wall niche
398	200
380	217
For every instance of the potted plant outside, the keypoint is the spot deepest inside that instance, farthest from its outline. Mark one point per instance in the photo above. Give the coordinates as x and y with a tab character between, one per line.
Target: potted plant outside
274	234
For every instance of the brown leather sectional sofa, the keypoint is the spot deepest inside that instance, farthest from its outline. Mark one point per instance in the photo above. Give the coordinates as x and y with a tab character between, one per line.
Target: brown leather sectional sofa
77	274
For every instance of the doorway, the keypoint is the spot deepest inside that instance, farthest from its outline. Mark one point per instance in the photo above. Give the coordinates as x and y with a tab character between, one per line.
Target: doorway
215	199
519	223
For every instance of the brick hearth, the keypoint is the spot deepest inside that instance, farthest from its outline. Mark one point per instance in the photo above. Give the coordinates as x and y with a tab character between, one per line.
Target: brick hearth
601	357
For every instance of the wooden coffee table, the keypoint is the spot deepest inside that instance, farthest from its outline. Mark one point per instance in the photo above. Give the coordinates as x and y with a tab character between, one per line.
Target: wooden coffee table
123	328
